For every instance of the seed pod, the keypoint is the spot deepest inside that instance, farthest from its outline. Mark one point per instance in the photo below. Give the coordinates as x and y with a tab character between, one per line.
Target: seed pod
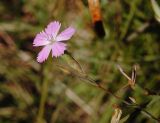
116	115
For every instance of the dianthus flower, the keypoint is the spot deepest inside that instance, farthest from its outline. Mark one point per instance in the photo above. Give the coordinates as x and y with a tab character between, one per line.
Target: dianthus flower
52	41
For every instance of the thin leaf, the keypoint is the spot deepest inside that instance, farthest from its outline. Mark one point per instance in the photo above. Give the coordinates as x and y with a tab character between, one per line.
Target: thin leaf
156	9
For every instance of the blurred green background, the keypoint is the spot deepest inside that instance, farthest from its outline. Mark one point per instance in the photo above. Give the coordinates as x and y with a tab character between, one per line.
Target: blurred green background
132	37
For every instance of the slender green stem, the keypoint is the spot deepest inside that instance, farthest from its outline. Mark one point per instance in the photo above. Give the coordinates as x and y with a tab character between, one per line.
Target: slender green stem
44	94
78	64
42	101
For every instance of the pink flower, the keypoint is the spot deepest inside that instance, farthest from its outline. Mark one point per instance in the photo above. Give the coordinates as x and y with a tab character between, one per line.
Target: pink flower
52	41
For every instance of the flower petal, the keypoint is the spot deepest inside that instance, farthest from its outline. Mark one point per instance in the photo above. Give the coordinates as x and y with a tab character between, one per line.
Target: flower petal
53	28
44	53
58	49
66	34
41	39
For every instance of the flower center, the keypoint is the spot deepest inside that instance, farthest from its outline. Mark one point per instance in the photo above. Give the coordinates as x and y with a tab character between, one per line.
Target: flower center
52	40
